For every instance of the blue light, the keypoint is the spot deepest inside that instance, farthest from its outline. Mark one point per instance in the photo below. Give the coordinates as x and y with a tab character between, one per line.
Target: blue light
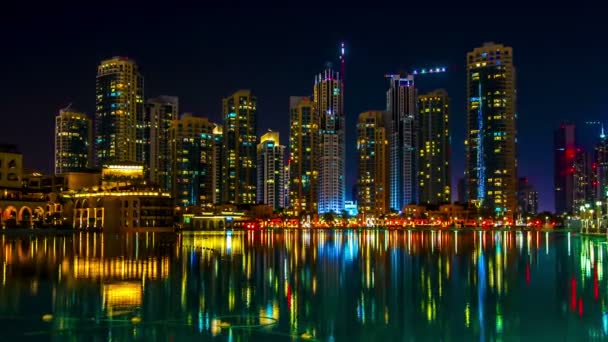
485	54
481	175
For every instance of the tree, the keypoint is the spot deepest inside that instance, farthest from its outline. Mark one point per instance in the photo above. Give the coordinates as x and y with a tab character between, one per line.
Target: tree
329	218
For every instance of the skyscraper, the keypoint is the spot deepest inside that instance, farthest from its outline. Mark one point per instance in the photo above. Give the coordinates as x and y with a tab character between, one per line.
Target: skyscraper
216	169
270	168
527	197
565	152
601	167
373	153
159	113
304	148
329	102
73	141
582	186
401	104
119	116
491	164
239	148
192	145
434	147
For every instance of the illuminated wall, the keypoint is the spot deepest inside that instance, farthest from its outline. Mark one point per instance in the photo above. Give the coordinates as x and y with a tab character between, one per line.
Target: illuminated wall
11	167
115	210
117	175
434	148
239	148
373	153
303	154
491	164
73	141
119	116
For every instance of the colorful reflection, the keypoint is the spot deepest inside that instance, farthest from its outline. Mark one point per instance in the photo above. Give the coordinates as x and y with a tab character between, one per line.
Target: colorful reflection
305	284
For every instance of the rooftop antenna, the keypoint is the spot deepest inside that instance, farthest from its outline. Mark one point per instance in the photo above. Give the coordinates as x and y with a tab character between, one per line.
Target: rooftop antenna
342	61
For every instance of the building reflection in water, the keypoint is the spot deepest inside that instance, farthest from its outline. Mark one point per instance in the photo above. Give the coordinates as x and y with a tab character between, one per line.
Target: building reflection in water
307	284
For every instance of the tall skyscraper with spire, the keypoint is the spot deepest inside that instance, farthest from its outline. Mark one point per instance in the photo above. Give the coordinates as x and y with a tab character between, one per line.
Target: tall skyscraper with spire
239	148
329	101
119	116
490	145
601	167
401	105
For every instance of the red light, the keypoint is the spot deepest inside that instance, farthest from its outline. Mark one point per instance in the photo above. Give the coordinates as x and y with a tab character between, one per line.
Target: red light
596	291
573	294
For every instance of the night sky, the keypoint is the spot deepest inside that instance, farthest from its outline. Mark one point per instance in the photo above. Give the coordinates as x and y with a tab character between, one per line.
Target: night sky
50	55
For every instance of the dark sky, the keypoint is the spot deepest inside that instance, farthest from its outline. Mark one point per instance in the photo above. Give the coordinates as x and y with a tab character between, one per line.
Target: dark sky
50	54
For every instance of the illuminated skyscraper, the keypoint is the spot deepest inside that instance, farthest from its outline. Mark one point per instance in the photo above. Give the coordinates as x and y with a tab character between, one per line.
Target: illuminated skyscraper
239	148
582	186
217	163
192	144
73	141
159	113
119	116
304	151
601	168
373	153
565	152
434	148
329	102
401	104
490	145
271	170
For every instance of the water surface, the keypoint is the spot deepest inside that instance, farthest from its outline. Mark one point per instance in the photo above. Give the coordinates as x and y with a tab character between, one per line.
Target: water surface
329	285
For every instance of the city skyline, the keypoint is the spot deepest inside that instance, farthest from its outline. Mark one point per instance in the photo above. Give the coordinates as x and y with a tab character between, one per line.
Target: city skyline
536	115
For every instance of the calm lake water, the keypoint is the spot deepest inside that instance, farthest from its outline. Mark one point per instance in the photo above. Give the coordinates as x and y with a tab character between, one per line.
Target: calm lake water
369	285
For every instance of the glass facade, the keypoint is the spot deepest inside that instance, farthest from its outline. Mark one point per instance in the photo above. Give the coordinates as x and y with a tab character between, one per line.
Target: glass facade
491	165
303	155
192	144
239	148
373	152
120	127
434	148
73	138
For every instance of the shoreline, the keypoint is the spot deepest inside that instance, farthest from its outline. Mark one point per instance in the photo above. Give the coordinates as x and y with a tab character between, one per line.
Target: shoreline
68	231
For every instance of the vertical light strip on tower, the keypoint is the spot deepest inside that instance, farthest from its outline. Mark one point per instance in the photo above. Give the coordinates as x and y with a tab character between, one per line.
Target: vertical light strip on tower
481	175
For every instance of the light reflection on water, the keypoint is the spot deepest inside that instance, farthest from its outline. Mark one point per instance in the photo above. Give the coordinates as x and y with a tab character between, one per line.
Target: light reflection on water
312	285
